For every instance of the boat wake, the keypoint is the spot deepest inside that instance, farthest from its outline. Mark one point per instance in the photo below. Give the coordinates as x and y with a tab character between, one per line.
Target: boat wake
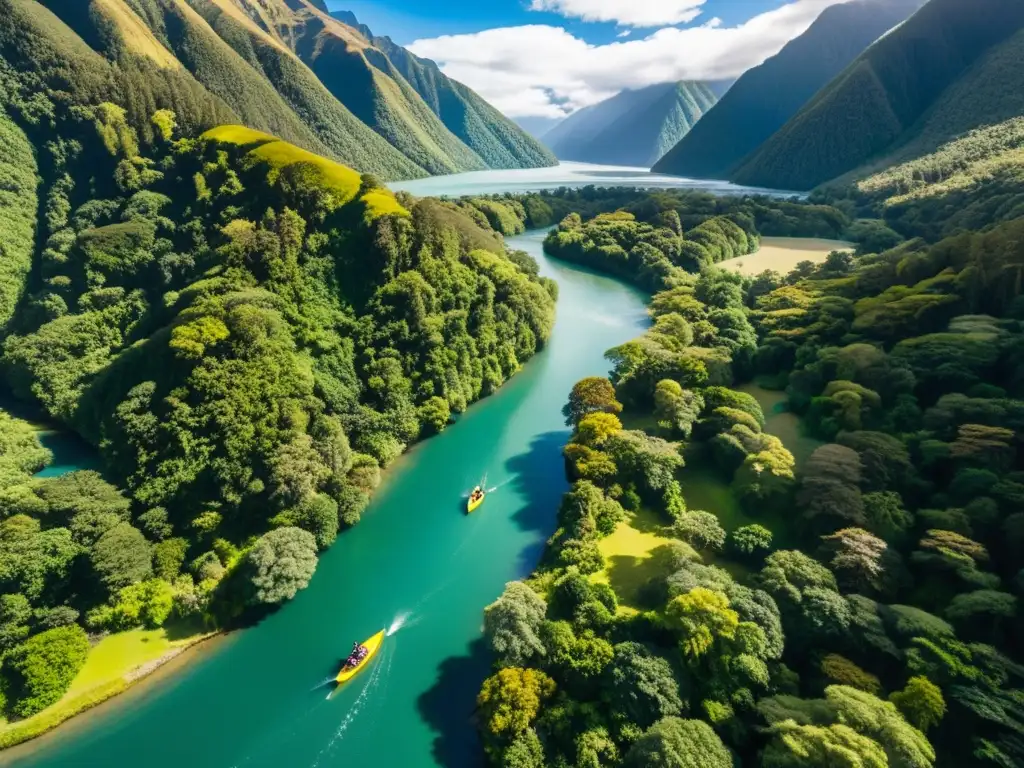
379	672
398	622
502	484
326	681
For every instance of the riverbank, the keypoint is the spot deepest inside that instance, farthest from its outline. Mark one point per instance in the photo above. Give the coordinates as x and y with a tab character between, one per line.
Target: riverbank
438	569
118	664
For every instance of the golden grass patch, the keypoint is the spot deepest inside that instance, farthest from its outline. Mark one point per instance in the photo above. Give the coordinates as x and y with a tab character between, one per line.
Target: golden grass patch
782	254
137	37
238	135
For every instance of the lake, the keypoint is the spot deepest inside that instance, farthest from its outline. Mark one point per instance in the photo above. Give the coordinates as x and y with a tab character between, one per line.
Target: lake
573	175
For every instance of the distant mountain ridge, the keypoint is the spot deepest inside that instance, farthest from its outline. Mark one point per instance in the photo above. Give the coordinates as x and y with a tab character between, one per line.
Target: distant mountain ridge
906	90
635	127
282	66
495	138
765	97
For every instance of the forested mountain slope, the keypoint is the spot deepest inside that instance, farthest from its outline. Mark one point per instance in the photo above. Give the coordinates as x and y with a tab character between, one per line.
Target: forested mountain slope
246	331
635	127
765	97
878	102
283	67
978	173
495	138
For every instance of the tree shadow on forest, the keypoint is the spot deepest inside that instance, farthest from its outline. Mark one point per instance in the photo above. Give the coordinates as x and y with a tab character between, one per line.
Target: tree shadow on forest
448	707
538	477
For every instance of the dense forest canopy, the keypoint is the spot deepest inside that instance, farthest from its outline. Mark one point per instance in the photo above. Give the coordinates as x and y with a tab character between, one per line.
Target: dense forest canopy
868	599
246	331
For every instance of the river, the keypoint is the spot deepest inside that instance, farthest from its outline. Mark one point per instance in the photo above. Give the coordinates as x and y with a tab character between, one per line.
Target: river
416	560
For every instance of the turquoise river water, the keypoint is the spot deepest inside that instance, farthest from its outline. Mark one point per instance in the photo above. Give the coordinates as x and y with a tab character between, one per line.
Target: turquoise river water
416	564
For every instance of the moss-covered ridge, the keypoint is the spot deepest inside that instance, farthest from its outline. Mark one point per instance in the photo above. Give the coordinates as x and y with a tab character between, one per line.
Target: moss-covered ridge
340	181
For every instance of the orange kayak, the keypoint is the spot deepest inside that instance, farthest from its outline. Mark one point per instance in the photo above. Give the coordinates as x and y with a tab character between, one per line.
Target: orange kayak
372	646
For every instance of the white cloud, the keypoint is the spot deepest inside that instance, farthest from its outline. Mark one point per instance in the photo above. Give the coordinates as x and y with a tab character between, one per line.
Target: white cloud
544	71
634	13
624	33
714	23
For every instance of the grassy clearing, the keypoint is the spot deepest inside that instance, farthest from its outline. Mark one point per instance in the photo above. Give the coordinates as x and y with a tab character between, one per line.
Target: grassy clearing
381	202
334	177
781	422
113	665
118	654
635	554
63	710
239	135
782	254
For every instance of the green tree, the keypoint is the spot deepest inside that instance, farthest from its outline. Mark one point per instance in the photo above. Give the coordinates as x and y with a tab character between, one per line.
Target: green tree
699	529
122	556
15	615
676	743
904	745
525	751
641	686
839	745
676	409
280	564
702	617
579	659
921	703
168	557
147	603
40	670
512	625
511	699
591	395
750	539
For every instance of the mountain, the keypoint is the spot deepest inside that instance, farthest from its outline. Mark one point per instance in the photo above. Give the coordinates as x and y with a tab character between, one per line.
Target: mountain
538	127
765	97
491	135
919	82
281	66
633	128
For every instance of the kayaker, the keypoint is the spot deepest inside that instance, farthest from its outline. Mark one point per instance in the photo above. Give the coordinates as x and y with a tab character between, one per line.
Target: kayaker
358	654
476	494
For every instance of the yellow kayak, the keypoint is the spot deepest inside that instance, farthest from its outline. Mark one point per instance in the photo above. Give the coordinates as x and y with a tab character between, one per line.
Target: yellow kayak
474	503
372	646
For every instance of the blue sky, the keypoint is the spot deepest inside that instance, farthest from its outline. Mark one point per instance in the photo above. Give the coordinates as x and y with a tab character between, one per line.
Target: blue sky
549	58
408	20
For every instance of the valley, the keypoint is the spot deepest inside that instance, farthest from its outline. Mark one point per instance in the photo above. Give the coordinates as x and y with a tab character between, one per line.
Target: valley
564	384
